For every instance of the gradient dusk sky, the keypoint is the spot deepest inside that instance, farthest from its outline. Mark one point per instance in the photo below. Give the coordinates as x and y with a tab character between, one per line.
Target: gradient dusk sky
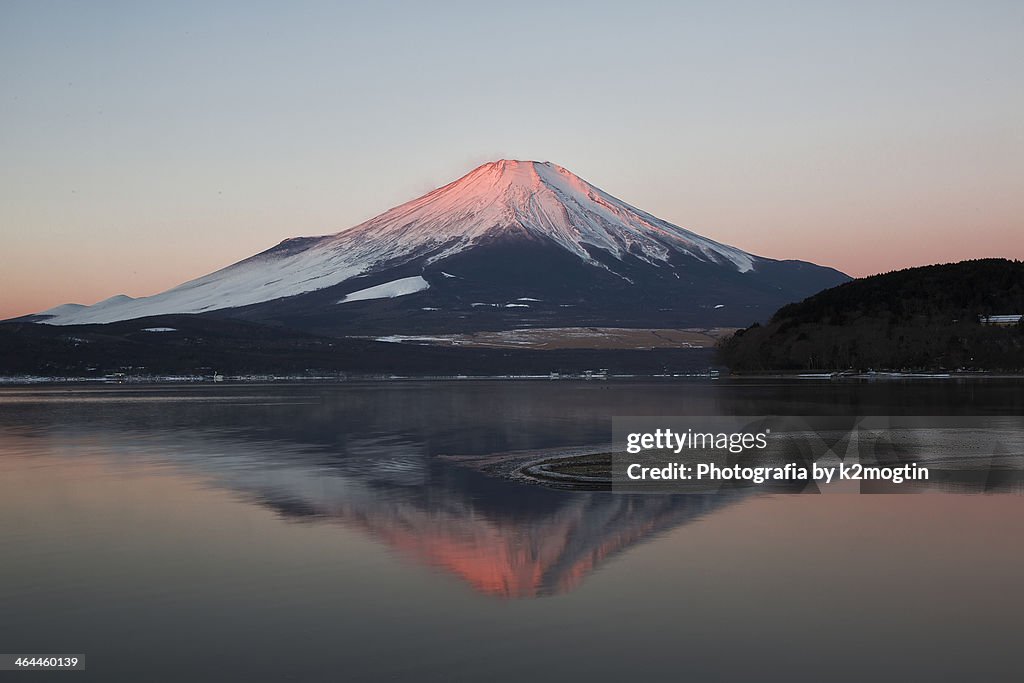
145	143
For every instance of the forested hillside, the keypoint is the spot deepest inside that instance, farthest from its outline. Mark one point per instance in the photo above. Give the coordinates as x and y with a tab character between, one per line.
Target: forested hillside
916	319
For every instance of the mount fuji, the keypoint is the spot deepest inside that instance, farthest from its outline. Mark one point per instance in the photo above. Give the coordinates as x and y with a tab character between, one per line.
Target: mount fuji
511	244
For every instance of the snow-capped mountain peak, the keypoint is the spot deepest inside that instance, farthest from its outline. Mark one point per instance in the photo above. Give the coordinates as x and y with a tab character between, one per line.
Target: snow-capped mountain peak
546	200
505	201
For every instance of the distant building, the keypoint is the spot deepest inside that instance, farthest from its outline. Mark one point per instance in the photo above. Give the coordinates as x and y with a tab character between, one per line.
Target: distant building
1002	320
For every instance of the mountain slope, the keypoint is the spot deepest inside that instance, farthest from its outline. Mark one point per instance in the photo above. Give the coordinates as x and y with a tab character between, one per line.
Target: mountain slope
523	237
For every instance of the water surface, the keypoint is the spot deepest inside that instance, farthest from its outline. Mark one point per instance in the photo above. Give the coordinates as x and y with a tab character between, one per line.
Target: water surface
312	533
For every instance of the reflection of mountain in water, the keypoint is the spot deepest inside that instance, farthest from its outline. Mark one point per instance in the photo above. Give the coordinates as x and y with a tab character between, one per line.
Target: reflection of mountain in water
363	456
503	538
505	552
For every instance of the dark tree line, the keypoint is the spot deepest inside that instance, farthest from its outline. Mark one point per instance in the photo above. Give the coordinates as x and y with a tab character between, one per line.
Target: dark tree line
916	319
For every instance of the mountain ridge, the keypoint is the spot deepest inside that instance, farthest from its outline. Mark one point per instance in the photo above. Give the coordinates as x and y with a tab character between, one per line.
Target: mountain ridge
526	209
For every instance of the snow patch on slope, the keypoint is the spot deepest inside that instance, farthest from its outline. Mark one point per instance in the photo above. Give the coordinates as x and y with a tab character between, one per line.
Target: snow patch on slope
389	290
264	277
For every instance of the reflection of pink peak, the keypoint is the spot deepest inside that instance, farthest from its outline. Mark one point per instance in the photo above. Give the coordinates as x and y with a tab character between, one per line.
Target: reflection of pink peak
517	559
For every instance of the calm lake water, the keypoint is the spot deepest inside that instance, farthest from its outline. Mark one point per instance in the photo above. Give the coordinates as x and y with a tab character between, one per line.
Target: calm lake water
310	533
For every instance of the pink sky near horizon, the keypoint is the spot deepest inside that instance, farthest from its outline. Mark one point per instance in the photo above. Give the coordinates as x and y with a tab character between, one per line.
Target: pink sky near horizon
148	146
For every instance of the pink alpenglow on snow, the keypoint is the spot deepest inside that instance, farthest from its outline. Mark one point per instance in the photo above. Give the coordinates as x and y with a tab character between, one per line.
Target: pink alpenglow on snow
501	197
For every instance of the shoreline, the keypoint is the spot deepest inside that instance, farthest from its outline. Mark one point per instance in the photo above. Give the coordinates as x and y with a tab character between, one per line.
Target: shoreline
713	375
589	376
